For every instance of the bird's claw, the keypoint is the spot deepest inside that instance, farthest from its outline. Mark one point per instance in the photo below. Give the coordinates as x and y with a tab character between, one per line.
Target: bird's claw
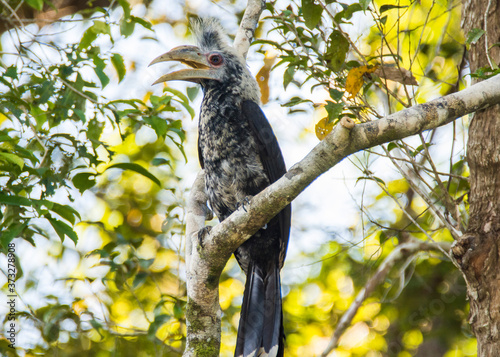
202	234
245	201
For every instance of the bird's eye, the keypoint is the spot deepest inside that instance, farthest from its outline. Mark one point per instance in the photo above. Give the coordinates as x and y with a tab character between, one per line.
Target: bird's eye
215	59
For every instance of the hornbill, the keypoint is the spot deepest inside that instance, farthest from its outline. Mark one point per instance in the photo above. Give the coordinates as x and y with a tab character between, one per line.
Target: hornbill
241	156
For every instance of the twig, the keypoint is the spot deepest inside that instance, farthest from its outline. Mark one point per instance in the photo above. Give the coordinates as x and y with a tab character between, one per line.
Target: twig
419	165
454	232
400	252
407	214
486	49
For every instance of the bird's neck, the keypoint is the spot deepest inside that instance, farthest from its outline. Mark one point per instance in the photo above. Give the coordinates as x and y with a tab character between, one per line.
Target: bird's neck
219	107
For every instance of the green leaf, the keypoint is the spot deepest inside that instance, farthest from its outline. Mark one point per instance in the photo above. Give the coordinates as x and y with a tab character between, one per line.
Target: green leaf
295	101
92	32
139	279
312	13
392	146
373	178
387	7
101	27
136	168
35	4
94	131
12	158
144	23
159	321
333	110
335	94
179	309
88	37
13	231
159	125
11	72
192	92
99	70
474	35
45	91
83	181
80	114
288	76
336	51
158	161
65	211
15	200
62	229
347	12
419	149
364	4
118	64
126	8
127	27
27	153
183	100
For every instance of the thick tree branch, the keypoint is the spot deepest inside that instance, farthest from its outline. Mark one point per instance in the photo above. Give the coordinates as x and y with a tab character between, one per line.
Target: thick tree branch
399	253
340	143
214	250
203	312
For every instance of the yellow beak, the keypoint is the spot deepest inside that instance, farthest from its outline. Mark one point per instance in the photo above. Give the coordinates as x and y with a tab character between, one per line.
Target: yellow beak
191	56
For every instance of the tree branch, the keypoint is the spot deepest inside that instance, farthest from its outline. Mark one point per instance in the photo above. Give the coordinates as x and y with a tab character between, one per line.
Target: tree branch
339	144
248	25
202	282
399	253
212	251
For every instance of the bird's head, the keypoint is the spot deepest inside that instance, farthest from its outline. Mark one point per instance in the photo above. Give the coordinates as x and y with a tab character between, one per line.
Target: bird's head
214	64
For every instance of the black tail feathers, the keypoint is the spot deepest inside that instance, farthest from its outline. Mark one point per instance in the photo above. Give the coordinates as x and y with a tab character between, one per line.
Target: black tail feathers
260	332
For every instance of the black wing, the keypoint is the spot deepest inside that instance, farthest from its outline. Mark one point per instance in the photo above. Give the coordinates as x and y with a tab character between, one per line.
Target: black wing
272	159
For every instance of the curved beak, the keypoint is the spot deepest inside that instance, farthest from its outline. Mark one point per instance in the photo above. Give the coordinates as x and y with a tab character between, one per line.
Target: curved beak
191	56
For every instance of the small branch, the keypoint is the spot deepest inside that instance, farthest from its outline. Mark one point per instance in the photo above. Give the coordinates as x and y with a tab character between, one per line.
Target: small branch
399	253
12	11
248	24
486	45
407	214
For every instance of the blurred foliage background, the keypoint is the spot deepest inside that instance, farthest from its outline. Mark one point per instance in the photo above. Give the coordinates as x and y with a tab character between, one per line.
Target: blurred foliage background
95	166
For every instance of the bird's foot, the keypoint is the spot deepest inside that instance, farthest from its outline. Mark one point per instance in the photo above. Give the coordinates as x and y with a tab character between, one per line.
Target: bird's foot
202	234
245	201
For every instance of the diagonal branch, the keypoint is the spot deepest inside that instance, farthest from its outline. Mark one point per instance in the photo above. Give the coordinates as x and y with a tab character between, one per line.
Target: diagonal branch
209	253
399	253
339	144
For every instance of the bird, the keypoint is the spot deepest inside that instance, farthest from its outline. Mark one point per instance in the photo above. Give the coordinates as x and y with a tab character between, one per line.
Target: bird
240	155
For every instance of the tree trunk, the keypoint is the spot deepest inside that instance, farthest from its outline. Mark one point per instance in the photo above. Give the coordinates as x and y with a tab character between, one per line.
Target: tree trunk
477	253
